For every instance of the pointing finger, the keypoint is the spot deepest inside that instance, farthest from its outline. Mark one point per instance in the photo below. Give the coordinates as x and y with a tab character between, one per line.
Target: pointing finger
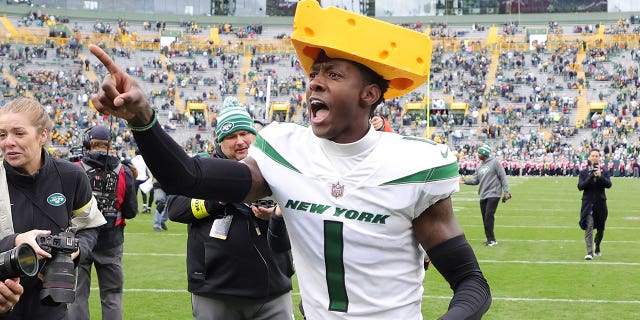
104	59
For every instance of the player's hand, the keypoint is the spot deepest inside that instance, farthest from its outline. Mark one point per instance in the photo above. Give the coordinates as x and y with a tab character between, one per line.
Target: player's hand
119	95
377	122
462	179
506	196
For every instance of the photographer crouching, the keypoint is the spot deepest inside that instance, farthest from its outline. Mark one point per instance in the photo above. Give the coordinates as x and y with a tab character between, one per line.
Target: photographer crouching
593	213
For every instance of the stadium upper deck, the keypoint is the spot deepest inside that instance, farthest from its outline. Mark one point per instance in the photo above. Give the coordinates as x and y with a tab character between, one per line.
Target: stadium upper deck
186	74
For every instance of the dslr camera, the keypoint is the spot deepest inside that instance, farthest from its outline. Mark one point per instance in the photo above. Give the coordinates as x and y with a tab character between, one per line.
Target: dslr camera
264	203
592	166
58	284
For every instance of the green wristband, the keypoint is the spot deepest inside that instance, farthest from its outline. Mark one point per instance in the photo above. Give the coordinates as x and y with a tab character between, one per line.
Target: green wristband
147	127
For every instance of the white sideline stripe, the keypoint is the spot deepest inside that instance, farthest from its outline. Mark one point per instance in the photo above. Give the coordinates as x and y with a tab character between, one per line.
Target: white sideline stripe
547	300
576	227
146	234
609	263
425	297
558	240
582	262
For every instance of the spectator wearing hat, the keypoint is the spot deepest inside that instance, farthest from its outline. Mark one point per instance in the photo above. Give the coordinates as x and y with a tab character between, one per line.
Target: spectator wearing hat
492	181
236	270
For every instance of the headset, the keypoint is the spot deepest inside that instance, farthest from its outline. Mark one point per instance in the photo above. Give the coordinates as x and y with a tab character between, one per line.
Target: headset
86	139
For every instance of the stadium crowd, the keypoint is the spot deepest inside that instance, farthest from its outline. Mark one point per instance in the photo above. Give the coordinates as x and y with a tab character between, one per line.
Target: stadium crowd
526	111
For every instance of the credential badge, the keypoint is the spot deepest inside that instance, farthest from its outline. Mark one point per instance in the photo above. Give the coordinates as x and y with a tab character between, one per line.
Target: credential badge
337	190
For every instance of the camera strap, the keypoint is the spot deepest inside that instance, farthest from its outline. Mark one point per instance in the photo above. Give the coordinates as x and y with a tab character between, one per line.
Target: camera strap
6	220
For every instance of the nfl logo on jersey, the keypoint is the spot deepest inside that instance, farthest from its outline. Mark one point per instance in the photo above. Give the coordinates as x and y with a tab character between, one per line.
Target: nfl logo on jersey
337	190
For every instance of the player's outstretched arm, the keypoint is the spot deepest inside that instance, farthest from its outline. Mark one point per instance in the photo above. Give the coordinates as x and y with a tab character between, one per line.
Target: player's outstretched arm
441	236
119	95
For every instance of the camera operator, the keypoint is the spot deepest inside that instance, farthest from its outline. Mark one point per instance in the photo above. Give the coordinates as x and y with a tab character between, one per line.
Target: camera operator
593	212
235	270
114	187
40	195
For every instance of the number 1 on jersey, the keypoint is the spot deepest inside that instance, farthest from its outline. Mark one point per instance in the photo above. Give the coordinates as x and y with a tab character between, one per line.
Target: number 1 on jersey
334	266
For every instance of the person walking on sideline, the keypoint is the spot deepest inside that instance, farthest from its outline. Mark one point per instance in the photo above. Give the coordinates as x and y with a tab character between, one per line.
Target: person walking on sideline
593	212
351	206
492	181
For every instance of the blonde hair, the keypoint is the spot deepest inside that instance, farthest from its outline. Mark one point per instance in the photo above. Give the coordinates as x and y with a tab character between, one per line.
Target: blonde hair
33	110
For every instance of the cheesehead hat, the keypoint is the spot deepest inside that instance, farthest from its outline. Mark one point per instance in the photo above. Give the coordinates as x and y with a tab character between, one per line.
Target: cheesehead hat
399	55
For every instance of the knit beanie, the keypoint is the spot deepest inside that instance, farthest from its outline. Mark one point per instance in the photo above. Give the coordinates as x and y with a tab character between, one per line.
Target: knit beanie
485	150
233	119
230	102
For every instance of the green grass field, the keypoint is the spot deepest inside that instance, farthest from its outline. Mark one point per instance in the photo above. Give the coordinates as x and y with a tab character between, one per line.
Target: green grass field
536	272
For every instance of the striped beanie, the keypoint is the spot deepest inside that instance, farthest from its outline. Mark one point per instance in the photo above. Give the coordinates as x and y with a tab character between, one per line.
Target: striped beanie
485	150
233	119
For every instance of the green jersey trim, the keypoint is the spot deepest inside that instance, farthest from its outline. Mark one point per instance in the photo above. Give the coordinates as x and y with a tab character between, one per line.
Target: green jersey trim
263	145
412	138
430	175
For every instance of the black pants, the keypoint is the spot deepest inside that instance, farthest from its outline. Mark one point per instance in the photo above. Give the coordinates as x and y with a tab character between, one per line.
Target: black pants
488	208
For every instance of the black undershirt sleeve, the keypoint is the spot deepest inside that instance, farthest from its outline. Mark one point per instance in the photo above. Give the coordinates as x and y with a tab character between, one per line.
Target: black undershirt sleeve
278	237
201	178
457	263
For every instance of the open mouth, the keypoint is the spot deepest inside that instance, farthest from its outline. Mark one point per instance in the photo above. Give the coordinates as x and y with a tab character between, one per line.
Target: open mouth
319	110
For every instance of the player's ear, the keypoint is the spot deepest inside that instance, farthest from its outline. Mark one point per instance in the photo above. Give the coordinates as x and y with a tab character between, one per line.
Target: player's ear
371	93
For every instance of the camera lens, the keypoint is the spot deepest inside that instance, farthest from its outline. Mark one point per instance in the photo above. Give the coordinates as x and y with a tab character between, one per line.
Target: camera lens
27	261
19	261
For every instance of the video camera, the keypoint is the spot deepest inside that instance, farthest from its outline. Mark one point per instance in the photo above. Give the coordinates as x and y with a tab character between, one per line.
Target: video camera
58	284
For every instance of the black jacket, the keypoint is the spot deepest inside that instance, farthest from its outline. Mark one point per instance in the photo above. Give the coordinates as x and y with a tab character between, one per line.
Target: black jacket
593	188
112	237
242	265
33	207
594	197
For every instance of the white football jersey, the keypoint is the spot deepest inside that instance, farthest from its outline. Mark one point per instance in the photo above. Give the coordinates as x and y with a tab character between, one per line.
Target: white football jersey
351	234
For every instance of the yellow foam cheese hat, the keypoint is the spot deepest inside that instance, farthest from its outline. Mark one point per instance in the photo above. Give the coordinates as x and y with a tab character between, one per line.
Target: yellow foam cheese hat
400	55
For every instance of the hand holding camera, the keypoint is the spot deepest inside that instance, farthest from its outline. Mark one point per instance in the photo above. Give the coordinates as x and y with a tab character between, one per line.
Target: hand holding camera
596	170
264	208
31	238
